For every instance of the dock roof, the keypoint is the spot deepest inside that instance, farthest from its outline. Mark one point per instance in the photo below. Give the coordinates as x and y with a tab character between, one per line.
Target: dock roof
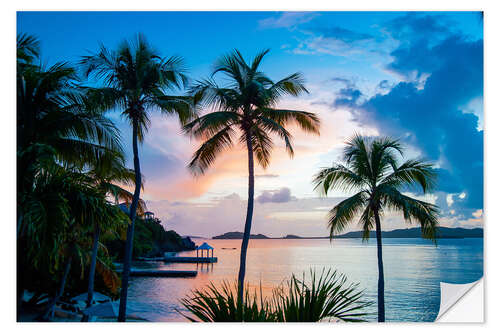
205	246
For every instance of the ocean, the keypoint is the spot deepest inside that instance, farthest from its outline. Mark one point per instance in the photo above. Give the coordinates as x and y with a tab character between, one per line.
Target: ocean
413	270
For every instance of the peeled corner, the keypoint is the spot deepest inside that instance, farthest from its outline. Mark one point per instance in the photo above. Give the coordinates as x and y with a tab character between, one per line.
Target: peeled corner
462	303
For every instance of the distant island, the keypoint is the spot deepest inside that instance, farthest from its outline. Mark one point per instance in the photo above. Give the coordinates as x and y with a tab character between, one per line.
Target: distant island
443	232
239	235
292	237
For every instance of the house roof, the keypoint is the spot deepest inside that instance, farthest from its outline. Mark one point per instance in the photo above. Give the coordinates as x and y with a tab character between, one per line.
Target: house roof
205	246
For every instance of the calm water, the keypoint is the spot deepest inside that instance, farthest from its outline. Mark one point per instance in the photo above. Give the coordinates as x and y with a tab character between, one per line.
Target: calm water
413	270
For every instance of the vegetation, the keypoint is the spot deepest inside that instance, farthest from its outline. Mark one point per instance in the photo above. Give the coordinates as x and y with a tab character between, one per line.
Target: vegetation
327	297
150	240
372	170
136	80
245	110
60	138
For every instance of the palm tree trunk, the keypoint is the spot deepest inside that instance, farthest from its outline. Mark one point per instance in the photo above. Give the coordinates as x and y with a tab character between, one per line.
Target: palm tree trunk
130	230
50	307
248	221
381	287
93	260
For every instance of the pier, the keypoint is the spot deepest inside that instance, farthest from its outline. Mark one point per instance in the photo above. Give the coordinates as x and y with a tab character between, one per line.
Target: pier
198	259
162	273
190	259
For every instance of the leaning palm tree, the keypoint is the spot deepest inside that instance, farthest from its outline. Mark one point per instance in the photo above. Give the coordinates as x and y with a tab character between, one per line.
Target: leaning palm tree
372	170
137	80
245	110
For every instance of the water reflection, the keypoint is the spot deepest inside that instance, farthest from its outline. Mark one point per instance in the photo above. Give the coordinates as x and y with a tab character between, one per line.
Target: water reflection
413	270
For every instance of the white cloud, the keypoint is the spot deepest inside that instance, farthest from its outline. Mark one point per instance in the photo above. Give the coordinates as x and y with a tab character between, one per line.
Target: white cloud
478	213
287	20
449	199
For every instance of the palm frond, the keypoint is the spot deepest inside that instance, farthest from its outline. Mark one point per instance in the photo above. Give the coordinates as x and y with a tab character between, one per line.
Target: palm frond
262	146
211	123
220	304
258	59
291	85
345	211
210	149
367	222
337	177
326	297
28	48
410	172
421	212
357	155
307	121
383	155
272	126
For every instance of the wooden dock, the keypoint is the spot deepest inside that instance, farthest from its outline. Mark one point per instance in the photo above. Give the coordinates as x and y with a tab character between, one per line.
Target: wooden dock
190	259
162	273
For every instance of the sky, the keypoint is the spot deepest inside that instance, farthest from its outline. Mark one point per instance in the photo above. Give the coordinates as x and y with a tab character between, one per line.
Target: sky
415	76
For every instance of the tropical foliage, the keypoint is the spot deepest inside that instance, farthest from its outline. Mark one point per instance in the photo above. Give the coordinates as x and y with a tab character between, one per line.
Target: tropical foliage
374	172
150	240
326	297
63	143
136	80
245	111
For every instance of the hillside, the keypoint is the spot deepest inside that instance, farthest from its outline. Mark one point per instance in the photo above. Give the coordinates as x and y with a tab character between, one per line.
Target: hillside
238	235
443	232
151	240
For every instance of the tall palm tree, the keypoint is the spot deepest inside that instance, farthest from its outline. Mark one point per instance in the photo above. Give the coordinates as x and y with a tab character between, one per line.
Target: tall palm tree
136	80
245	110
372	170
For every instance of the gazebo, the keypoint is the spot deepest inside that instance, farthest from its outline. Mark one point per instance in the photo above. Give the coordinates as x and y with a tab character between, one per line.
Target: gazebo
149	215
206	247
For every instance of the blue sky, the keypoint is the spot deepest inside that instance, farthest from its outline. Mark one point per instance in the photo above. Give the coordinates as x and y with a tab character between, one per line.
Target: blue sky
415	76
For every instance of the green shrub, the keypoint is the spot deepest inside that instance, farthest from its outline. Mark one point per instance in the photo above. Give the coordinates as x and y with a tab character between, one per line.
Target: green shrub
327	297
220	305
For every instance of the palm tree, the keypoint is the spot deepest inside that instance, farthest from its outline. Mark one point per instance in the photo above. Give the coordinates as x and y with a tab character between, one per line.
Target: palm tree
108	176
136	80
58	213
371	169
245	110
53	130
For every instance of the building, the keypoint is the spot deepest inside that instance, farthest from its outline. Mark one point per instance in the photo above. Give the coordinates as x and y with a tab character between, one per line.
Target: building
149	215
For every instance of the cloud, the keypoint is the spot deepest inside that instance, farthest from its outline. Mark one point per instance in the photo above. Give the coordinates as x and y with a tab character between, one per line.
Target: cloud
342	34
287	20
339	41
267	176
347	97
429	114
281	195
342	80
301	216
